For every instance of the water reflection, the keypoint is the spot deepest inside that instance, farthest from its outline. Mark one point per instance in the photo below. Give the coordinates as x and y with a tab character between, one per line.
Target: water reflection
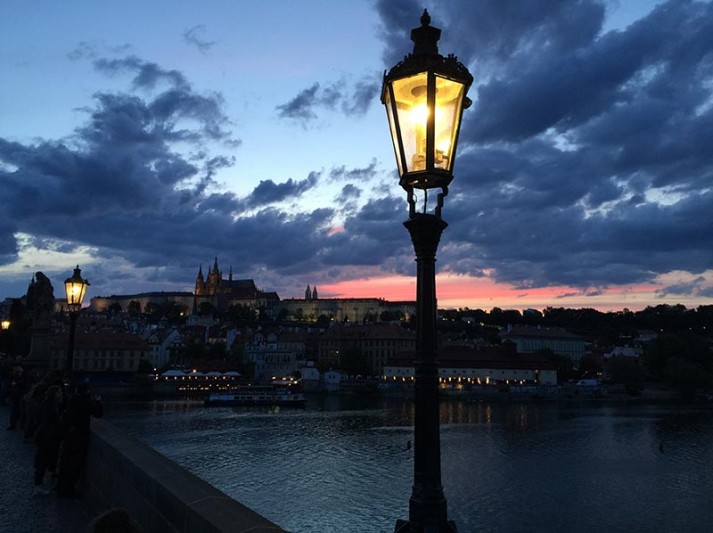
343	464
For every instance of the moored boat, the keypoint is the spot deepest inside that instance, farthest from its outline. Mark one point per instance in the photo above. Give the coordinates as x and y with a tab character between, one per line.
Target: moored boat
256	395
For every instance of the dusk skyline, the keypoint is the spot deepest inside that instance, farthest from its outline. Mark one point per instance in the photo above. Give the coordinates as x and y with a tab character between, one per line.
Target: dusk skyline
144	139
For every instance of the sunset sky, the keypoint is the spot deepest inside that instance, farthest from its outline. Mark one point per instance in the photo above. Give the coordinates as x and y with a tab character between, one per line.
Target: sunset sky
142	139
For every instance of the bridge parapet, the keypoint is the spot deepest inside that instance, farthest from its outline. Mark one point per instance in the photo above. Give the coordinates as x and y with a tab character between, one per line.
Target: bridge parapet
158	493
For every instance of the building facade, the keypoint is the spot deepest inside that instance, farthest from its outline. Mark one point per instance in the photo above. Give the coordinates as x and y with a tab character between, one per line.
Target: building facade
374	344
489	366
342	309
100	352
530	339
143	301
275	354
164	343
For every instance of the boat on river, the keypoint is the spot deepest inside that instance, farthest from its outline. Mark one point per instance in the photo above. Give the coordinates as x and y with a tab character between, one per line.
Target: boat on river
270	395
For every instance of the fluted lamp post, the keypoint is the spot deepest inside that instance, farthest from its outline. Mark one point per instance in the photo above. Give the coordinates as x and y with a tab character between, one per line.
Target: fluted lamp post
76	289
425	95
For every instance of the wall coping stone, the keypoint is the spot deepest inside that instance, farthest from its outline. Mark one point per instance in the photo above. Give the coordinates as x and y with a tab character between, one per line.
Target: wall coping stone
158	493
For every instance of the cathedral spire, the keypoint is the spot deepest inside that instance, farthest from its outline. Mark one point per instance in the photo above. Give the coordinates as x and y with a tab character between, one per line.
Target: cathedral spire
200	282
308	293
230	273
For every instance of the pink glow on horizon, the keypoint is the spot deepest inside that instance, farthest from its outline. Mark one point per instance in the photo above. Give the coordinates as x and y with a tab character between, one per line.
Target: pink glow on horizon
334	230
483	293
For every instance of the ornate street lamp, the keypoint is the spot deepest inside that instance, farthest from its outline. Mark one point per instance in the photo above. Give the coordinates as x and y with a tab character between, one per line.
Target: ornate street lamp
4	329
425	95
76	289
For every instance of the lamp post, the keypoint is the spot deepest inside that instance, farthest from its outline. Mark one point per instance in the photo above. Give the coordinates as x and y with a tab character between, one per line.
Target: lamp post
425	95
4	328
76	289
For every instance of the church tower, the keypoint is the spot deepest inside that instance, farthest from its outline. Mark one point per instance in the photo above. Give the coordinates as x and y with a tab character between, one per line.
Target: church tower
200	283
214	278
314	293
308	293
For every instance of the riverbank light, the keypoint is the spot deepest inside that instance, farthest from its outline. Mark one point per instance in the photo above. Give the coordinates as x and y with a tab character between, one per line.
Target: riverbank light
75	288
5	324
425	95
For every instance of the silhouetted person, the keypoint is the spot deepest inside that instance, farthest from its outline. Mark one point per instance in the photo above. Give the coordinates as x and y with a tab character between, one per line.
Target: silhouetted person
75	439
33	400
47	436
18	387
5	378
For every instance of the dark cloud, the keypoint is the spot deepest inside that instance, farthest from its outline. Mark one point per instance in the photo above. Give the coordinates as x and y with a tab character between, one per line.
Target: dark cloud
586	159
269	192
349	192
300	108
84	50
119	187
362	96
146	74
398	18
8	244
194	37
91	50
585	162
372	236
166	115
350	99
342	173
688	288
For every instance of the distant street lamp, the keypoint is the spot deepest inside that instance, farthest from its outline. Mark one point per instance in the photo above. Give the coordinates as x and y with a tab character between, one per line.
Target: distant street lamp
425	95
4	327
76	289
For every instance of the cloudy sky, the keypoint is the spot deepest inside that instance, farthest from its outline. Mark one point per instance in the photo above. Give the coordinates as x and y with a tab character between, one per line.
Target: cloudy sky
143	139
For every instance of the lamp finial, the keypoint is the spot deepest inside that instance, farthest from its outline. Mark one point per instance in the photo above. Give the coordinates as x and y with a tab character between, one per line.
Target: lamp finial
425	18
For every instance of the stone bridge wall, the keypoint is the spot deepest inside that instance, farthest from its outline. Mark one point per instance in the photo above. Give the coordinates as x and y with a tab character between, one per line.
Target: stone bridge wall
159	494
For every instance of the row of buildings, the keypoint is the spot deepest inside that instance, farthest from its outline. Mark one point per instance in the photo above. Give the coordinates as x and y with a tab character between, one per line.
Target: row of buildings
345	341
382	350
223	293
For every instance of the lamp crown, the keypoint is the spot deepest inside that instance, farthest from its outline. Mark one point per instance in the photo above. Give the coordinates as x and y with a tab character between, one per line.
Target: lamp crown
425	37
425	56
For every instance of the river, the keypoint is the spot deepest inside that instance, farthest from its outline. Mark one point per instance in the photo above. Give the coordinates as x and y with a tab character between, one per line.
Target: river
342	464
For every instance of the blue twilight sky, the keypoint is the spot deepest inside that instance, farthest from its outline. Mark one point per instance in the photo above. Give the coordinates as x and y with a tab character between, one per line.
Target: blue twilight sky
142	139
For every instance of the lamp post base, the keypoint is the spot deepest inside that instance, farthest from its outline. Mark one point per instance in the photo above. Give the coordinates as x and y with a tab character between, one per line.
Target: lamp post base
406	526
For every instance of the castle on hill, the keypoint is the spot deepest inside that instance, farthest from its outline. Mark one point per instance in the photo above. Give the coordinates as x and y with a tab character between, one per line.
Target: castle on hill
223	293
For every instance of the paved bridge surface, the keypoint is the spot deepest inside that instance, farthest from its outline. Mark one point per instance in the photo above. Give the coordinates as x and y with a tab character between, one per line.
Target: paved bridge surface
20	511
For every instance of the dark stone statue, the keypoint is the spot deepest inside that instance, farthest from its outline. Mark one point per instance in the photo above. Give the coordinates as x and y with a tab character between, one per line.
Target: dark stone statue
40	304
40	300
